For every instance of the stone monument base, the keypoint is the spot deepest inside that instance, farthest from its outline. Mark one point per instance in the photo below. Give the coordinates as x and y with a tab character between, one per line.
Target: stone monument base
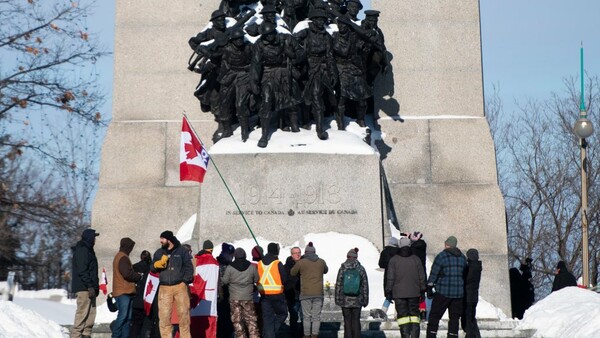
297	185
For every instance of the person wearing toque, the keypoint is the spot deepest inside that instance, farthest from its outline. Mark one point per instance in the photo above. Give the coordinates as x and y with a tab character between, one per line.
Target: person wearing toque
173	263
446	286
204	292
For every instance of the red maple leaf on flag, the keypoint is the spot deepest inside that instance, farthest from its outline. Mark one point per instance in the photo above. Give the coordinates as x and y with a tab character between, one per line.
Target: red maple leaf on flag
149	288
190	151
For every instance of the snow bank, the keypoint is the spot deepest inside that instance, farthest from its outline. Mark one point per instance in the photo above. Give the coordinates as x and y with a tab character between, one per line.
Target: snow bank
568	313
16	322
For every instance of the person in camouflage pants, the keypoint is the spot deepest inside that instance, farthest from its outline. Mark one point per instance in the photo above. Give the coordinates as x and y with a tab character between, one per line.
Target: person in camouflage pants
241	276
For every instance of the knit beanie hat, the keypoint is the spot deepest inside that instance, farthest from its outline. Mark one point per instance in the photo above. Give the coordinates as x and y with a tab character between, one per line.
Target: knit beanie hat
227	248
257	253
239	253
273	248
310	249
451	242
404	241
207	245
168	235
393	241
353	253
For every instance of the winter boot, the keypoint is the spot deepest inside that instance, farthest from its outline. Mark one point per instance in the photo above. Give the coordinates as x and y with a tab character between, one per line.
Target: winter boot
227	131
244	128
321	134
264	128
294	121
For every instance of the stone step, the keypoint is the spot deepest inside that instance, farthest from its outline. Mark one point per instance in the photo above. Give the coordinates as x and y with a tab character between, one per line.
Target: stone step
379	329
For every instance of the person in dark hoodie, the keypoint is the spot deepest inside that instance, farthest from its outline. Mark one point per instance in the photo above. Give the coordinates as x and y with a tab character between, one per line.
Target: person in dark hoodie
272	278
405	283
349	298
224	324
446	276
563	277
174	265
517	293
142	325
124	279
311	269
472	279
85	284
241	277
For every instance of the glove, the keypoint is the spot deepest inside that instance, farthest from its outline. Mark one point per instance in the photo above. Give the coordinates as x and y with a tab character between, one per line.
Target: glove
430	292
92	292
162	263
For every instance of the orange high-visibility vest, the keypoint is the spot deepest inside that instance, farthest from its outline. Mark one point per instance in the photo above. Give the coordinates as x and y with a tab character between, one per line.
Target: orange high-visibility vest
269	282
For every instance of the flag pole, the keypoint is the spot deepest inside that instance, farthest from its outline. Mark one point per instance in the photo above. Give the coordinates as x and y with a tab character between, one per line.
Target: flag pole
223	180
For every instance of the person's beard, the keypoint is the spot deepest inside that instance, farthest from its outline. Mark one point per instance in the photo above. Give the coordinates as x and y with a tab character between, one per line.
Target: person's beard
165	246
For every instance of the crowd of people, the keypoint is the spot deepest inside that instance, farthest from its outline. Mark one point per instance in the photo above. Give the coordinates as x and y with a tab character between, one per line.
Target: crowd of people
294	63
174	293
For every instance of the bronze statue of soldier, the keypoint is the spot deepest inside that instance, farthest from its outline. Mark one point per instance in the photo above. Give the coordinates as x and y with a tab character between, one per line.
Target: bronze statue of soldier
348	48
273	67
322	71
207	91
376	54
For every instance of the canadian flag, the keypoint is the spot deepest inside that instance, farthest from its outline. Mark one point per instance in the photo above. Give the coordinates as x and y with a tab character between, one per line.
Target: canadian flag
193	158
104	283
150	291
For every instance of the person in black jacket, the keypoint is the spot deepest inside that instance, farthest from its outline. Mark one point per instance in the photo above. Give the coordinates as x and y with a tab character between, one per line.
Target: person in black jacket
174	265
472	279
292	291
142	325
563	277
387	253
419	249
85	284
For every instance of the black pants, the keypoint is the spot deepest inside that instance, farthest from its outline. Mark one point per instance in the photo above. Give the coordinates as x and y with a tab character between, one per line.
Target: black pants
469	322
351	322
407	310
438	307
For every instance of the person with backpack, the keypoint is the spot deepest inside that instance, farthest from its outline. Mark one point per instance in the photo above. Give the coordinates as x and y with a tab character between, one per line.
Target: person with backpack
405	283
352	292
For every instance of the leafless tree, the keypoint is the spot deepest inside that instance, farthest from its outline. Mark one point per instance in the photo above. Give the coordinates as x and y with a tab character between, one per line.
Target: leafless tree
539	175
50	123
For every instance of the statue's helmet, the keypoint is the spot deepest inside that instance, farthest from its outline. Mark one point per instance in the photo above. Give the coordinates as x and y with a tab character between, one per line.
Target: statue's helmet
317	13
372	13
237	33
268	9
216	14
267	28
360	6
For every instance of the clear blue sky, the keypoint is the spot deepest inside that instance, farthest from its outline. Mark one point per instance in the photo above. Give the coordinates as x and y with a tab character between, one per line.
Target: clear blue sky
529	46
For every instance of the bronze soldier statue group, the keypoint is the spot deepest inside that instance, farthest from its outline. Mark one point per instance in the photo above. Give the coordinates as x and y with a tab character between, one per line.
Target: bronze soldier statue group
292	64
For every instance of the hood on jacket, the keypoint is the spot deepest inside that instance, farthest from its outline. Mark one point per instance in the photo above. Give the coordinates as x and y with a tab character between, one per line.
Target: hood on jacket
240	264
269	258
313	257
127	245
404	251
351	263
454	251
473	255
89	236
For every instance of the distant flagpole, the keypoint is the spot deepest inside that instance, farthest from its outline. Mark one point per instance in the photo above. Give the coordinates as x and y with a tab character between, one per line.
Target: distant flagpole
223	180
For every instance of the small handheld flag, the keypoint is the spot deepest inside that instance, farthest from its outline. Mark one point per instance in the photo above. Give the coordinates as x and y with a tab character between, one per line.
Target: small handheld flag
104	282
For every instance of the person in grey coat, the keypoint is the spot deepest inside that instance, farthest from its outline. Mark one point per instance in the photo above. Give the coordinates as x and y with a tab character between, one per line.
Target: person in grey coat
405	283
351	303
241	276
